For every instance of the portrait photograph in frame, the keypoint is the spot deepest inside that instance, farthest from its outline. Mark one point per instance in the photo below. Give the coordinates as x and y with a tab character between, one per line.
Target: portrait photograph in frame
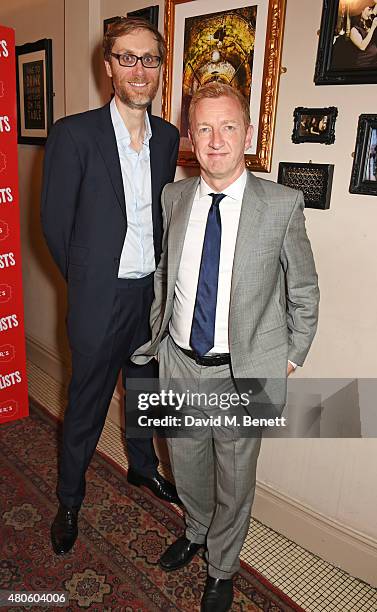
314	180
364	170
347	48
238	43
34	91
314	124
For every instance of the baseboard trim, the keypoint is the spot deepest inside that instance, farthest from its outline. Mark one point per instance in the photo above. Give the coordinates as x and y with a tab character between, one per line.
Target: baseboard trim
58	367
47	359
343	546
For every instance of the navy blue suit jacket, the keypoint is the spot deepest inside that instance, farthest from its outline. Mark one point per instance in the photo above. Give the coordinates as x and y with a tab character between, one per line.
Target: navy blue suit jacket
84	216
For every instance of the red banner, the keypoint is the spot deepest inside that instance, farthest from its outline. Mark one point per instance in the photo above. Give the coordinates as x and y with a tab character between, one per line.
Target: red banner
13	382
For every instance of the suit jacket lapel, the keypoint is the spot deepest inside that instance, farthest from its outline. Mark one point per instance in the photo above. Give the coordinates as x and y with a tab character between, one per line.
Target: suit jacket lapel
106	141
251	209
177	230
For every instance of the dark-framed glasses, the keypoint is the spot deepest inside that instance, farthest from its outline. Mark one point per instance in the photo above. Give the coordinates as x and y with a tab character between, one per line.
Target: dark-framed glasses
128	60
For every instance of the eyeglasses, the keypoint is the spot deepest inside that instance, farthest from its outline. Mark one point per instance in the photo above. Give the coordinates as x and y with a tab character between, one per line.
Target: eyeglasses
128	60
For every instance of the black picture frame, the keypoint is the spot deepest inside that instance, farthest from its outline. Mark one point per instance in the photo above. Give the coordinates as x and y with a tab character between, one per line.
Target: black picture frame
108	22
338	60
314	124
34	91
364	170
150	13
314	180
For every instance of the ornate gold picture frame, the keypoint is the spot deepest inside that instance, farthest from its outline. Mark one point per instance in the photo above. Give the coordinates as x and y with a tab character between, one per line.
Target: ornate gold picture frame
240	46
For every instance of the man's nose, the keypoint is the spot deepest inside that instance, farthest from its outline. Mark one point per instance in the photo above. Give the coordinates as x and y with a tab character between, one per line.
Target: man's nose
216	141
139	68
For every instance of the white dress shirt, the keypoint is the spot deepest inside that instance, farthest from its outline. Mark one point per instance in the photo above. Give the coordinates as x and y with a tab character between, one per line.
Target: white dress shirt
137	258
188	273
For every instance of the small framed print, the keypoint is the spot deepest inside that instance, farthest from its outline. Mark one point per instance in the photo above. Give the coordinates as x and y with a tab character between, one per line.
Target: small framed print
364	170
314	180
149	13
108	22
314	124
34	91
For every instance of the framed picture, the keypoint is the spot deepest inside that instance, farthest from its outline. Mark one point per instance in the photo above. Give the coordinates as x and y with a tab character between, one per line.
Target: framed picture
347	49
108	22
364	171
34	91
314	124
235	42
150	13
314	180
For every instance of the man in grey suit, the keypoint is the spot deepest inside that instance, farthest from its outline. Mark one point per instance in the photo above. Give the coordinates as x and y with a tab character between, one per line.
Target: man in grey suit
236	299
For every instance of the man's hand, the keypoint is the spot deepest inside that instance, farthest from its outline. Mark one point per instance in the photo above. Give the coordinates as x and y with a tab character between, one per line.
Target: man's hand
290	368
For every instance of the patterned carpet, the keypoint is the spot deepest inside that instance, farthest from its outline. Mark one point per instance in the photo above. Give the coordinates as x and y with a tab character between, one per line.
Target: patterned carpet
123	532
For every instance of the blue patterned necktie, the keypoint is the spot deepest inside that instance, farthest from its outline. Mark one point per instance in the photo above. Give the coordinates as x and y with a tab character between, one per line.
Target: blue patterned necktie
202	337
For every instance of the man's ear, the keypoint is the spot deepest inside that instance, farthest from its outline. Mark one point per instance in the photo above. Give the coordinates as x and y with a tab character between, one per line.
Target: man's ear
108	69
191	141
249	136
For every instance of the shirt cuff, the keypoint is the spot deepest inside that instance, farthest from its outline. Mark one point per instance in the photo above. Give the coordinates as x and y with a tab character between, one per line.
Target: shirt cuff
294	365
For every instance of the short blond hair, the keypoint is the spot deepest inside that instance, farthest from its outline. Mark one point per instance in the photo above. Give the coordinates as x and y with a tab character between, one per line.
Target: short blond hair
217	89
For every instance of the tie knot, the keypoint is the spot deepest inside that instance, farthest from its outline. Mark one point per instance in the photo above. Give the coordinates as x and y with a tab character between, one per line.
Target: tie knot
217	197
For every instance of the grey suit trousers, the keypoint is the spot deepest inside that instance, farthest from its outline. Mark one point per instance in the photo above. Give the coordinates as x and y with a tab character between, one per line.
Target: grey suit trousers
214	467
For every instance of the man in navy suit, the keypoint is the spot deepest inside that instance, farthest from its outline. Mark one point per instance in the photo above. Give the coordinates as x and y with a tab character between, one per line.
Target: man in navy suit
103	176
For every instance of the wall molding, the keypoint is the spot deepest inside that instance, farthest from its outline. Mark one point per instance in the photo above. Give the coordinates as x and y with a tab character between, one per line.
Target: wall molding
48	358
57	365
333	541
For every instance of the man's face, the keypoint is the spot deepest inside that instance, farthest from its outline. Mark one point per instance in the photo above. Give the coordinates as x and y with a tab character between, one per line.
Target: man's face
136	87
219	139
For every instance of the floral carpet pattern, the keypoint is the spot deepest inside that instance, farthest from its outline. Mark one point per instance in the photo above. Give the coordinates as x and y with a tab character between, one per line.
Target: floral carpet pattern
123	532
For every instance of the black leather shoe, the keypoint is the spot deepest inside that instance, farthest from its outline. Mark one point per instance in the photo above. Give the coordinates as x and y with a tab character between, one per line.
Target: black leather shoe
217	596
157	484
178	554
64	530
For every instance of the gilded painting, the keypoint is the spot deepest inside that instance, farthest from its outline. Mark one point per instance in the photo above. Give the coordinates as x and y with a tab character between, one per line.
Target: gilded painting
240	45
218	47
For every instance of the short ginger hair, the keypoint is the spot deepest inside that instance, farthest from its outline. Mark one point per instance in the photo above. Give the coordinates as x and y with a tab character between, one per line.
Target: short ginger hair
217	89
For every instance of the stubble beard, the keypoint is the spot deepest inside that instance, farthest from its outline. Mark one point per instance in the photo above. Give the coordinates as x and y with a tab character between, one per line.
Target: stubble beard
135	100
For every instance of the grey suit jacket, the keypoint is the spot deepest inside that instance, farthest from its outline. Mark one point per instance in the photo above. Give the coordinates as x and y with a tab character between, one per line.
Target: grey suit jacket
274	291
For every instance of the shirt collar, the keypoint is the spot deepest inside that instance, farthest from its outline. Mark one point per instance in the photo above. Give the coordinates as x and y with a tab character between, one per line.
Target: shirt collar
234	191
121	132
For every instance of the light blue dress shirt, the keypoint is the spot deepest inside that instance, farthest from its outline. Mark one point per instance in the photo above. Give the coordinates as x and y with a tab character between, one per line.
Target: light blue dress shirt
137	258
